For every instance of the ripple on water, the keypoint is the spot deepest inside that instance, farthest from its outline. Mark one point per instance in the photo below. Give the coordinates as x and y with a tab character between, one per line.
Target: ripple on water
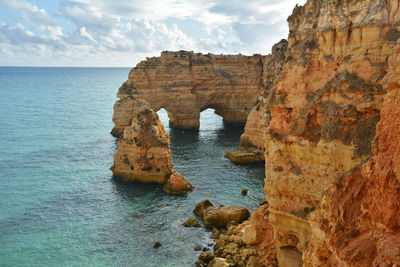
60	204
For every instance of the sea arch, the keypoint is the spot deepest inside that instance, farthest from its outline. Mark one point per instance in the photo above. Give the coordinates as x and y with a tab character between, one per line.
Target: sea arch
184	84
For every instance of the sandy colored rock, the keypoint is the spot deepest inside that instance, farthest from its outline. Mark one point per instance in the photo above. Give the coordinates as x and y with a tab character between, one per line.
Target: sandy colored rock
218	262
250	235
190	222
246	155
143	152
252	140
206	256
322	109
201	207
177	185
186	83
220	216
358	222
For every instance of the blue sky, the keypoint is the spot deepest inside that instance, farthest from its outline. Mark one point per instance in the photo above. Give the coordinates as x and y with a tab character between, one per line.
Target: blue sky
123	32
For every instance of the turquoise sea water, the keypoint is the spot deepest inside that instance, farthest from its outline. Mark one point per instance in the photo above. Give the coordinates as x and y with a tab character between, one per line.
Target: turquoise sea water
60	205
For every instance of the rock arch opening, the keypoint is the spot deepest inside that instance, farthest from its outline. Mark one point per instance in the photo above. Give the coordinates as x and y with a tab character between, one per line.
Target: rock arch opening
184	84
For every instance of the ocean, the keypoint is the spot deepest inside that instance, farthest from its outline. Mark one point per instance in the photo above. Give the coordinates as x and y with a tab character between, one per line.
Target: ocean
60	204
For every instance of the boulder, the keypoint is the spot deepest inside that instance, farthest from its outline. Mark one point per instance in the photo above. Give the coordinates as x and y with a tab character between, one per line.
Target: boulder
219	217
190	222
250	235
201	207
206	256
245	155
177	185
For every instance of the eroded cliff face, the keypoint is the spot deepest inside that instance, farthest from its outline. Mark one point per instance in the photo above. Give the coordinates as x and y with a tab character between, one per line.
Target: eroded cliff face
143	152
252	142
357	222
186	83
321	112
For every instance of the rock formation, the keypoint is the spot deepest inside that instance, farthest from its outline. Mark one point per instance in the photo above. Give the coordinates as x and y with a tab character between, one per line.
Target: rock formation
320	115
252	145
219	217
358	222
185	83
143	152
143	149
332	171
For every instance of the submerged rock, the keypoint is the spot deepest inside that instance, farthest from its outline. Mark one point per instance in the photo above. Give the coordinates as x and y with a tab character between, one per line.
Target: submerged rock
219	217
201	207
157	244
177	185
190	222
245	155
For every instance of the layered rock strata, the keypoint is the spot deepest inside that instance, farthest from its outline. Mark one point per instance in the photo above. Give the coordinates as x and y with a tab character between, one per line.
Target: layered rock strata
320	115
143	152
357	222
252	144
186	83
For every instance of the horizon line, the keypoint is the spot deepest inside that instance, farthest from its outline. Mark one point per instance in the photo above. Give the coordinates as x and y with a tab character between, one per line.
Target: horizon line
4	66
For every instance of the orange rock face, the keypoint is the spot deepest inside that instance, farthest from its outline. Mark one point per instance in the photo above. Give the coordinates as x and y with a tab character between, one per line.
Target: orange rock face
320	113
185	83
358	222
252	140
332	171
177	185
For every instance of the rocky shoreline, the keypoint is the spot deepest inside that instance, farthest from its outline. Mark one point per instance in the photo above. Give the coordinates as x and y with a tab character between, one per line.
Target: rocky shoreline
322	109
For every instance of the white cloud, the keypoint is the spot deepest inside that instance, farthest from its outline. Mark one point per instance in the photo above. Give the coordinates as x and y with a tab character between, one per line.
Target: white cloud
121	32
85	34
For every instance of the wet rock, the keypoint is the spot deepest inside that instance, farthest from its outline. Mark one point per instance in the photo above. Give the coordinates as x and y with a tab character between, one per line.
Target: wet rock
219	217
244	192
157	244
197	248
245	155
191	223
200	263
206	249
215	233
263	202
201	207
206	256
177	185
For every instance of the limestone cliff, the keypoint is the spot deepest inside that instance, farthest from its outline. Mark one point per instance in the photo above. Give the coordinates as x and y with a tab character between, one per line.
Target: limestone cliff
186	83
143	152
320	115
252	140
358	222
332	175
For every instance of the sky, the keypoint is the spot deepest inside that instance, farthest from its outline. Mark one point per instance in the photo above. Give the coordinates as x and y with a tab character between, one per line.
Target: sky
120	33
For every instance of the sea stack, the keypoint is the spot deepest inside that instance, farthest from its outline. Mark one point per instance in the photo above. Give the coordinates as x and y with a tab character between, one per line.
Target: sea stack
143	148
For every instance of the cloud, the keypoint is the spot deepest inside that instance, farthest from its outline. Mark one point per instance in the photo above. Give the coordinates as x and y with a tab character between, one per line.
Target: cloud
88	32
